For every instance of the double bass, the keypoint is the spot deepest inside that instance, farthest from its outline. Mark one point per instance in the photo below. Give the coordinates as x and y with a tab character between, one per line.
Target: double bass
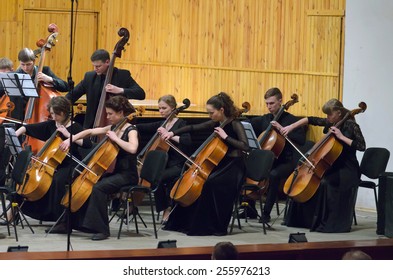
188	187
37	106
270	139
97	163
100	119
303	183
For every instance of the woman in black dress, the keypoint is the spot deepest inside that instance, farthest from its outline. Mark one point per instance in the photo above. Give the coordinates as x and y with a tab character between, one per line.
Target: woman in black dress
93	215
166	106
48	208
210	214
331	208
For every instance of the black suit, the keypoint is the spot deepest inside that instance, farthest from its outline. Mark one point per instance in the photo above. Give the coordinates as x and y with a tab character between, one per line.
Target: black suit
92	85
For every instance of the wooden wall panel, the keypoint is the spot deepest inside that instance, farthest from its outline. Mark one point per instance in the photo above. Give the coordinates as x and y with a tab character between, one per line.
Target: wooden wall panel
196	48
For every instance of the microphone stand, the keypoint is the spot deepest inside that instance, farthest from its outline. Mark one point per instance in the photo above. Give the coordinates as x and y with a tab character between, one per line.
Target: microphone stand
71	86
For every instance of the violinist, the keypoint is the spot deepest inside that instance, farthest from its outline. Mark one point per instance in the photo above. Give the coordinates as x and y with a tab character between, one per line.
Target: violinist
283	165
121	84
48	208
93	216
27	65
166	105
331	208
211	212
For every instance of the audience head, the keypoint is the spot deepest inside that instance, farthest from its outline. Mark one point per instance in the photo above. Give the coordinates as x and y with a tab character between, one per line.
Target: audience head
224	251
356	255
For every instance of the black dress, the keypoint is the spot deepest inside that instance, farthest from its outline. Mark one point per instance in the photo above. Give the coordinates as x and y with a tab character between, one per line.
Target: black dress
48	208
175	161
331	208
210	214
93	215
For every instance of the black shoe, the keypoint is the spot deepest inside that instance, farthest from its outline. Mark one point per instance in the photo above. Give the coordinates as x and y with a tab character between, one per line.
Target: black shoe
265	218
99	236
59	228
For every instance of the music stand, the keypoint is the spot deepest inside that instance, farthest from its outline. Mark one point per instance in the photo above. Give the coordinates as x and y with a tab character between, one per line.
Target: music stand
18	84
12	141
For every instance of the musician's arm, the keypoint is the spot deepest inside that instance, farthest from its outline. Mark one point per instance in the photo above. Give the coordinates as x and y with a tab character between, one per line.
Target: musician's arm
130	146
241	143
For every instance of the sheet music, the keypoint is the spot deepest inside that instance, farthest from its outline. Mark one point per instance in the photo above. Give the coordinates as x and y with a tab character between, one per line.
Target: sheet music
12	141
11	81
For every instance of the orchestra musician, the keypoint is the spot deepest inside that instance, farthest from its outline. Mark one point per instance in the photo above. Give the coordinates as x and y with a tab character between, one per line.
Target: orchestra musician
166	105
283	165
92	84
6	65
93	216
27	65
211	212
48	208
331	208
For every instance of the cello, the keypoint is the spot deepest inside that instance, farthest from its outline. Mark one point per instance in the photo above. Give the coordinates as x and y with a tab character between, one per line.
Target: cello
37	106
303	183
97	163
188	187
270	139
100	119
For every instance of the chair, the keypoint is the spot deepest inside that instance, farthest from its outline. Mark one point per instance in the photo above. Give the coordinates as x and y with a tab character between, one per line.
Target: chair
258	166
152	169
373	164
8	192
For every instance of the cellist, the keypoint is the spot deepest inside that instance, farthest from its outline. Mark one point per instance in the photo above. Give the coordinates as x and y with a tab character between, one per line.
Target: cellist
93	216
27	65
211	212
283	164
331	208
48	208
166	105
92	84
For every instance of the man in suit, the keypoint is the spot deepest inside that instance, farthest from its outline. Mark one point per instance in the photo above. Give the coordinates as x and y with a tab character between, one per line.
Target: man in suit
93	83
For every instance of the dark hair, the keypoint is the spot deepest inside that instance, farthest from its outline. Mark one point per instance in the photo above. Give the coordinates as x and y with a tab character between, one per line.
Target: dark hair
26	55
60	104
273	92
334	105
223	100
224	251
120	103
100	54
6	63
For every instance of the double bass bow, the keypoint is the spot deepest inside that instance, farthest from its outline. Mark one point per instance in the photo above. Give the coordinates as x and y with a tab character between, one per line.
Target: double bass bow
36	106
188	187
97	162
270	139
303	183
100	119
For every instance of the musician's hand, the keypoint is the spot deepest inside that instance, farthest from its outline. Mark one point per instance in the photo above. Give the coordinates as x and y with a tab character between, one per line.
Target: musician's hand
41	77
336	132
285	130
221	132
162	131
167	135
114	89
63	131
64	146
277	126
112	135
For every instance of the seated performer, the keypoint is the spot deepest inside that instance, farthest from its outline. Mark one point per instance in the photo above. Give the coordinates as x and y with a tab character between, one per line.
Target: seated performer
331	208
93	215
166	106
48	207
210	214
